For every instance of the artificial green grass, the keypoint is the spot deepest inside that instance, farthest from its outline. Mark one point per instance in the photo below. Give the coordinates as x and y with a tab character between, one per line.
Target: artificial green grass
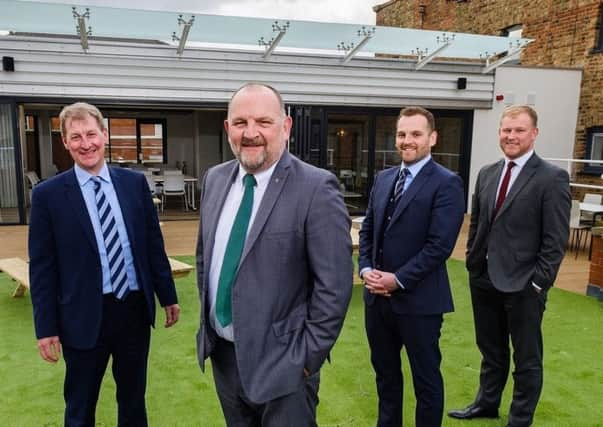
178	394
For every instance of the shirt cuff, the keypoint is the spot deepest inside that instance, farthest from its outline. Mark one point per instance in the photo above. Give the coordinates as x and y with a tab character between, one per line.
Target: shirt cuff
364	270
538	288
399	283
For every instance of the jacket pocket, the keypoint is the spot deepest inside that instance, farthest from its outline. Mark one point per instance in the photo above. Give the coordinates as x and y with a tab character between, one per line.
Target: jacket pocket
292	323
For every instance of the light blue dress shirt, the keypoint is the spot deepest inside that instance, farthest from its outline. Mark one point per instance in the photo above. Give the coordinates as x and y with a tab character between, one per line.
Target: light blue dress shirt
87	187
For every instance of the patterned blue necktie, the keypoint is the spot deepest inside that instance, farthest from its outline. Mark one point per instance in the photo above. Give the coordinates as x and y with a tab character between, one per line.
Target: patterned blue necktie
399	188
115	253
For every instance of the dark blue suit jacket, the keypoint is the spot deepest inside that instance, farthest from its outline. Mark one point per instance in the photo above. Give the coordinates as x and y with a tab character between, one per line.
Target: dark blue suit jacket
65	271
419	238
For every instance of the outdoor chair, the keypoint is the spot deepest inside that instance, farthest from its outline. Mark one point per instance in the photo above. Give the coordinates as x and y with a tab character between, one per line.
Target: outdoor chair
594	199
173	185
577	228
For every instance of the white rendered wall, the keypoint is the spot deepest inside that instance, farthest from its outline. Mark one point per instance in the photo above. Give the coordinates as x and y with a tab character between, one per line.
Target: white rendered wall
554	93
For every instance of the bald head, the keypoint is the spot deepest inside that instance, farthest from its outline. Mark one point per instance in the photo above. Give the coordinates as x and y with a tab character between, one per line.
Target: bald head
257	126
258	88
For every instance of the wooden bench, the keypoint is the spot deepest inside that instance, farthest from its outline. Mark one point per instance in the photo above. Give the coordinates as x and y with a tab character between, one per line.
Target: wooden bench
179	268
18	270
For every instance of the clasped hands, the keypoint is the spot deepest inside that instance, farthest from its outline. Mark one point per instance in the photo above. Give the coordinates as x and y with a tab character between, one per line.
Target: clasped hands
380	282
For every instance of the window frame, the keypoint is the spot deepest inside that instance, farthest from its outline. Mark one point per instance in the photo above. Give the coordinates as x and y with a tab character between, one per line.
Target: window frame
138	122
592	169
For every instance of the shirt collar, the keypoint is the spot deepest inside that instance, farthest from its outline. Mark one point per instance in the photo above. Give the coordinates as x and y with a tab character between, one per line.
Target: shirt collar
261	178
83	176
416	167
521	160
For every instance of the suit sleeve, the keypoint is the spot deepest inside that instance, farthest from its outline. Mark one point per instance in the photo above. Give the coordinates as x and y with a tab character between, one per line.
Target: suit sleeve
161	272
43	273
366	234
329	251
555	229
446	217
475	207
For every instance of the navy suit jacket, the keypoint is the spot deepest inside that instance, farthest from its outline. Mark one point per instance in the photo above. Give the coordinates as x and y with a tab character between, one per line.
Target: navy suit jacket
419	238
65	271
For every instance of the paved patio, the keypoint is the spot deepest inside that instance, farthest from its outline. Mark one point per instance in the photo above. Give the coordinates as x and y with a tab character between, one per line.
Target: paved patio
181	237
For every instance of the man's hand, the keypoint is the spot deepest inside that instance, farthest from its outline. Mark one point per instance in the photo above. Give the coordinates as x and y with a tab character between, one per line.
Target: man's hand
50	349
172	313
380	282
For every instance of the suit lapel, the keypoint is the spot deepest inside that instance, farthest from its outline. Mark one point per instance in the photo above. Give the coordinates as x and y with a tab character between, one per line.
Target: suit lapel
217	203
415	186
491	186
523	178
271	195
75	199
387	180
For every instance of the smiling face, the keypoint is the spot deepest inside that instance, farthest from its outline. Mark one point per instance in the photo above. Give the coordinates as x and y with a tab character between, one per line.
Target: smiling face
414	138
257	128
517	134
85	141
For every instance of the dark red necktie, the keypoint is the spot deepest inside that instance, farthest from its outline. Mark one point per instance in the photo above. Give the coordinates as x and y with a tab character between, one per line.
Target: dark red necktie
503	188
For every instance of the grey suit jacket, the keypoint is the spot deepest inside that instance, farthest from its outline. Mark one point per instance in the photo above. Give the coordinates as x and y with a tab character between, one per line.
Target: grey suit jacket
294	281
526	241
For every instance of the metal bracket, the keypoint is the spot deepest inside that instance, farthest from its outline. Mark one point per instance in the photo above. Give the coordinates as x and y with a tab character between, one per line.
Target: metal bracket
350	49
271	44
80	26
186	28
514	51
423	58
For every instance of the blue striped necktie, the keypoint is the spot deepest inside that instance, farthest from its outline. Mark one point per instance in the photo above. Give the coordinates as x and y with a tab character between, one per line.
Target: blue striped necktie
115	253
399	188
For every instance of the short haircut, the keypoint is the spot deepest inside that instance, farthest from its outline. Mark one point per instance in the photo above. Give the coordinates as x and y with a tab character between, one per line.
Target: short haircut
418	111
80	111
258	85
515	110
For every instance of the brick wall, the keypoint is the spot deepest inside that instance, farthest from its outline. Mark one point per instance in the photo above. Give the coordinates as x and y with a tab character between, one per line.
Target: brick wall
565	34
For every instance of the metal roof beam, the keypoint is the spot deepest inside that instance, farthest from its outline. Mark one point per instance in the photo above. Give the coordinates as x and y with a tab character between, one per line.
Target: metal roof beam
274	41
80	27
424	59
511	55
350	49
186	28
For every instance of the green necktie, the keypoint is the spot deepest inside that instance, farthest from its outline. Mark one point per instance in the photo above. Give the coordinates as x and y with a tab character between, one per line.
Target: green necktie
232	255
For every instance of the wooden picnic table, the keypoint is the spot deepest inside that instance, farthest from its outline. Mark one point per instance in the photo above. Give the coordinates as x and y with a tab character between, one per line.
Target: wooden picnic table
18	270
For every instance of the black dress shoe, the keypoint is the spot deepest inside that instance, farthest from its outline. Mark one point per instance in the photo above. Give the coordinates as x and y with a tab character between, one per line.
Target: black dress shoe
473	411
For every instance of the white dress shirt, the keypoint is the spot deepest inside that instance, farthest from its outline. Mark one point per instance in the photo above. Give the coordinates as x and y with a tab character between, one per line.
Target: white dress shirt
227	216
519	164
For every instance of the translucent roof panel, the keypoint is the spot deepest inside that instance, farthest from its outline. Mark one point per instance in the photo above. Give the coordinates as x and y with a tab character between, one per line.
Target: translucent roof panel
53	18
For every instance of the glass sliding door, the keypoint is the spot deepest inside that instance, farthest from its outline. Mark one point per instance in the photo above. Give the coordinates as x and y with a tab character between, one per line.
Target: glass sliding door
11	179
348	157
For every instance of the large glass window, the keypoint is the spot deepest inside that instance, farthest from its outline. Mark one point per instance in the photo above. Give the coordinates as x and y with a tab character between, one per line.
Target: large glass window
347	157
386	154
9	193
447	150
594	149
136	140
